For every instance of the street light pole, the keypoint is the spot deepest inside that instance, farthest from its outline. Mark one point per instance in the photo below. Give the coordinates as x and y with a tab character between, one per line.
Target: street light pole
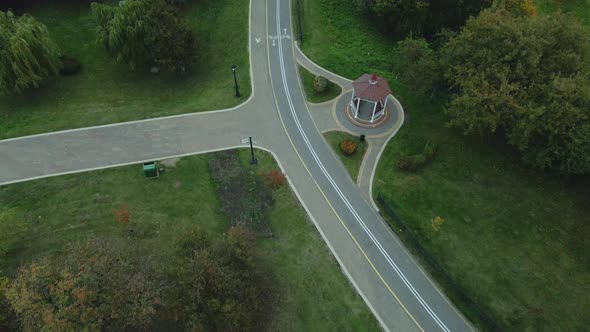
253	161
233	68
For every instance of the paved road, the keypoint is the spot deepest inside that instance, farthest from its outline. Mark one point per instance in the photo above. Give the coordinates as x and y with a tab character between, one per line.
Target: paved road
400	295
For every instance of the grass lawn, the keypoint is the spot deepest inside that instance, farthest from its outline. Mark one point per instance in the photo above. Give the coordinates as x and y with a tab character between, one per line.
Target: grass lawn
353	162
514	239
107	92
332	90
311	292
580	8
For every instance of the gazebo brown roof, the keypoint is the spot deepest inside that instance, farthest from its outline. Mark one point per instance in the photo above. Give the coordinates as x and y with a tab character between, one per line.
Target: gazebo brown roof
371	87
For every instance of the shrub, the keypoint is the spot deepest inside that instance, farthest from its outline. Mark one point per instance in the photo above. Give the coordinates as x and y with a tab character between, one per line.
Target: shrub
320	84
347	147
69	65
411	163
275	178
437	223
28	55
123	215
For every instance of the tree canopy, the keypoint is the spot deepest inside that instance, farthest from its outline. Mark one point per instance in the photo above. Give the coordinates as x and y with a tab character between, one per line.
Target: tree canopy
27	53
528	76
97	285
145	33
421	17
115	285
217	285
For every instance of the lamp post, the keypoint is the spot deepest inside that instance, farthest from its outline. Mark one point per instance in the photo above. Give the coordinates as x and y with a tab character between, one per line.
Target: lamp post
253	161
233	68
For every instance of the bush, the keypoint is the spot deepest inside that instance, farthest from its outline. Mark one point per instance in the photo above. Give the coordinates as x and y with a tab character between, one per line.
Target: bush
411	163
320	84
69	65
347	147
275	178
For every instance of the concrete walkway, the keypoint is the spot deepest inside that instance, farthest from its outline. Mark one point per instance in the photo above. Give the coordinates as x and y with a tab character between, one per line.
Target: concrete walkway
393	285
328	117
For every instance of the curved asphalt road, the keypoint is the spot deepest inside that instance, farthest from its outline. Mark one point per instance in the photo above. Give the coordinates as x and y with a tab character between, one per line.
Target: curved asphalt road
392	284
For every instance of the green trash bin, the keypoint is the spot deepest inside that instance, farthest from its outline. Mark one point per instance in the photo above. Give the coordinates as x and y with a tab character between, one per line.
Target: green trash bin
150	170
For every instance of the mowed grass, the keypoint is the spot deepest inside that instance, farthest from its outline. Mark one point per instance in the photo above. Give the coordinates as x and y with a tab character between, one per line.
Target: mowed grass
352	162
332	89
513	238
310	291
107	92
579	8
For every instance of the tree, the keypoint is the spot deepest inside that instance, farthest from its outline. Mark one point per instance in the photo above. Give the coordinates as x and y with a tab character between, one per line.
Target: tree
97	285
417	66
217	287
528	76
27	53
145	33
401	18
518	7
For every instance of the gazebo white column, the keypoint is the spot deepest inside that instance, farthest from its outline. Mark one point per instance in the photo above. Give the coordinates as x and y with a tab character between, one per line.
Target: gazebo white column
385	103
358	103
373	115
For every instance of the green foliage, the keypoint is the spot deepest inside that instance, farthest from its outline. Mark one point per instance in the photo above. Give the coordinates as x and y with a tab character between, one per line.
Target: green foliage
144	33
217	287
320	84
417	66
519	7
421	17
527	76
96	285
27	53
5	310
411	163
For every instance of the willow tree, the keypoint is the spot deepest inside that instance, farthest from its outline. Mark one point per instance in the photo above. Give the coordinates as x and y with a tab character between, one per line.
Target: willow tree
143	33
27	53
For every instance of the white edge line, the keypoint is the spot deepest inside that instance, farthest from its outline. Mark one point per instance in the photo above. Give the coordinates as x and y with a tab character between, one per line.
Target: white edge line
341	264
163	117
352	210
317	226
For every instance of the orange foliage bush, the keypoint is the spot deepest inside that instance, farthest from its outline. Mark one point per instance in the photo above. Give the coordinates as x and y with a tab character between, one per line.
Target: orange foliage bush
347	147
275	178
123	214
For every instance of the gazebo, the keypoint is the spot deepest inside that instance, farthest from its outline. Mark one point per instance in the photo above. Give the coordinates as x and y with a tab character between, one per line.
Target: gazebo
369	97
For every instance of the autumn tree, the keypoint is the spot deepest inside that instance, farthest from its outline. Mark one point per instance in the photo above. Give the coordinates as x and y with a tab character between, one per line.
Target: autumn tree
526	76
28	55
217	287
96	285
145	33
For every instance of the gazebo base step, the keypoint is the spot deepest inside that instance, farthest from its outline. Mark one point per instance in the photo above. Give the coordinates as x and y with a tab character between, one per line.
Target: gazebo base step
366	123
